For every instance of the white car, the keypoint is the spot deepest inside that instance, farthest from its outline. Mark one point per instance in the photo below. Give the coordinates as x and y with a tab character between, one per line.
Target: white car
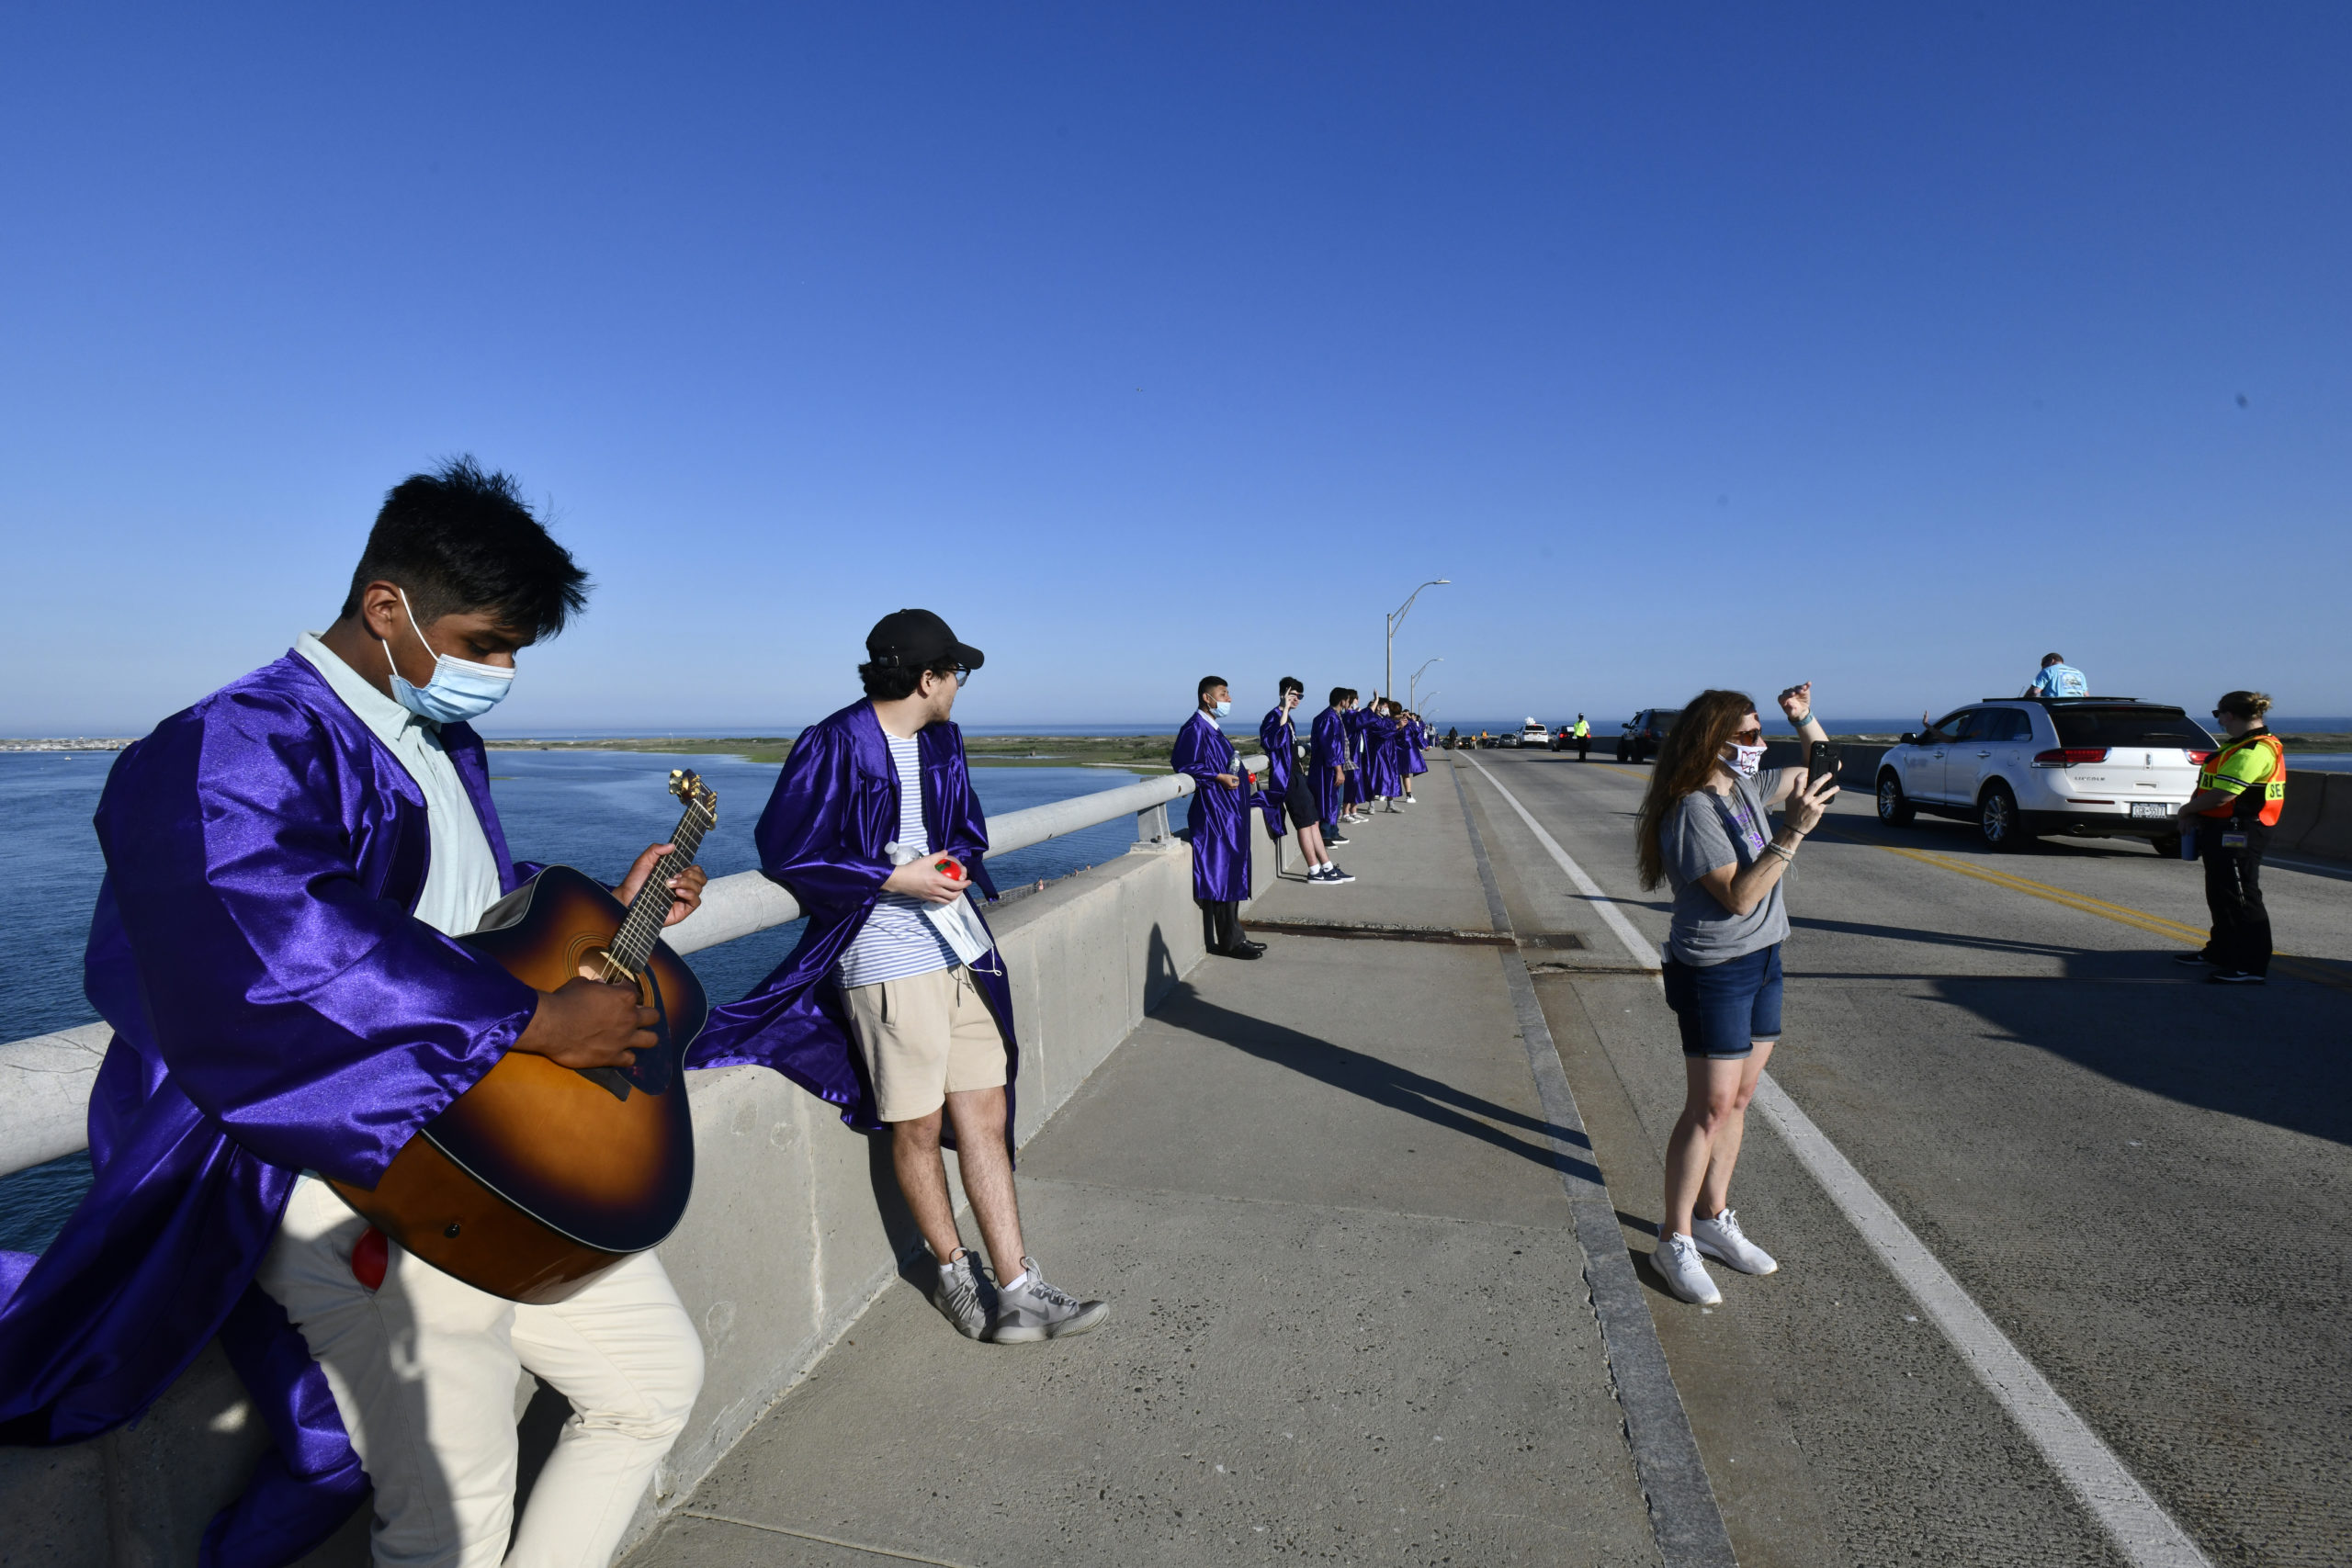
2018	767
1533	734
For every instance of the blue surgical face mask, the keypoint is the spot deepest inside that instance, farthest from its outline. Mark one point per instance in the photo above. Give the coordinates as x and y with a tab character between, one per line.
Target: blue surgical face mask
459	690
1223	709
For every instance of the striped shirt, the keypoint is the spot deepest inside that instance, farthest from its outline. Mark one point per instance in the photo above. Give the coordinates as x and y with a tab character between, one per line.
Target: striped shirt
899	940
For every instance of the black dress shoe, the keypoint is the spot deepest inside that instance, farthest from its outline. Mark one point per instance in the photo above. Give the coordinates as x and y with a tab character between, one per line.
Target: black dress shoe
1242	950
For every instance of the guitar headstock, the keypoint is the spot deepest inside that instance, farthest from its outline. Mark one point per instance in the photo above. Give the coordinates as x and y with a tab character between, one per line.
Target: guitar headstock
687	785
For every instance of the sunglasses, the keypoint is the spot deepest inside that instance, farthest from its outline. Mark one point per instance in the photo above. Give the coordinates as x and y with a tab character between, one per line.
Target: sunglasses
1749	737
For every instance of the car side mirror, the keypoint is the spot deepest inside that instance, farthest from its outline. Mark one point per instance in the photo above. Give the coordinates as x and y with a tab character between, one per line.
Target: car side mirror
1910	738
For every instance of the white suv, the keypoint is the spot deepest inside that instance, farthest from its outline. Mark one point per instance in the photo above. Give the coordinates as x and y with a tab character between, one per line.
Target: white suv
2017	767
1535	735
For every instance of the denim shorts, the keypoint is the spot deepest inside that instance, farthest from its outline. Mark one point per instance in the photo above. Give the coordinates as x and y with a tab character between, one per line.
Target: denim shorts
1725	1008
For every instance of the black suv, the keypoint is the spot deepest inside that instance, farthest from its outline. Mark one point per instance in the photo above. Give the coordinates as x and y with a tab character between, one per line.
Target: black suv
1644	732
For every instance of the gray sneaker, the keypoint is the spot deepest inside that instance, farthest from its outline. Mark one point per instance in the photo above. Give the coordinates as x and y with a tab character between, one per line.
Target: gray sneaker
957	1297
1037	1311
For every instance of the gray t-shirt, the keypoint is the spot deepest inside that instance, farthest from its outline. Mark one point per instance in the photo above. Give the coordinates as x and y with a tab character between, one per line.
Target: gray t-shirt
1706	831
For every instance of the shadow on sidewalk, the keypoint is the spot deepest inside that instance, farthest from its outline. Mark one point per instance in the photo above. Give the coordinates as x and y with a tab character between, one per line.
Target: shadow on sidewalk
1384	1083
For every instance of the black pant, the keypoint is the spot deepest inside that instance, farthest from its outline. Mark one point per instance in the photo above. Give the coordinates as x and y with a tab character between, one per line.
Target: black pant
1224	923
2240	938
1584	746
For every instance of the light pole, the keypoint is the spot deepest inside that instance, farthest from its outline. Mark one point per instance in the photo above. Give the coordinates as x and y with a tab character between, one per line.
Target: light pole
1425	712
1416	681
1388	671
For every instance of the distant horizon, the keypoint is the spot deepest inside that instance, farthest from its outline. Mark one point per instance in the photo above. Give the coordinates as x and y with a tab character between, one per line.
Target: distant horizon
1048	729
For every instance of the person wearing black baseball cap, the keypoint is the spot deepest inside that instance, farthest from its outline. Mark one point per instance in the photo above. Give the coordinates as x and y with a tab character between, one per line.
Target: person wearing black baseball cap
895	1003
918	640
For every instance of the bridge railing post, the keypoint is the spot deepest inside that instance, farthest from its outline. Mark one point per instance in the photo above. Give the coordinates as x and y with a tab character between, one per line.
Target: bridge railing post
1152	830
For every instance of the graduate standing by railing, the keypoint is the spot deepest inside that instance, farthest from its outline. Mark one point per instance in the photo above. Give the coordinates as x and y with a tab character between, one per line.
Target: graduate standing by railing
1415	737
1358	771
1382	768
1219	819
1327	759
1290	790
895	1005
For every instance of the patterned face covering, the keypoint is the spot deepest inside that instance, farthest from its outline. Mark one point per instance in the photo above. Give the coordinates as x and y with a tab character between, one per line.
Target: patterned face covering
1745	760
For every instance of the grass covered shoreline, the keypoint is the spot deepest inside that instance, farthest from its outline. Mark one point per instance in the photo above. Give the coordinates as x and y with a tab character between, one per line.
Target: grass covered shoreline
1138	753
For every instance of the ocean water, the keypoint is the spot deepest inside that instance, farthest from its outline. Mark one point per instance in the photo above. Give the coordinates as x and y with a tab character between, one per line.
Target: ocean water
591	810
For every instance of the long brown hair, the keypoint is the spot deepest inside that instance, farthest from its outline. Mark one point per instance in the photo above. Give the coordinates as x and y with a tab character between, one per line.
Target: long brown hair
1686	758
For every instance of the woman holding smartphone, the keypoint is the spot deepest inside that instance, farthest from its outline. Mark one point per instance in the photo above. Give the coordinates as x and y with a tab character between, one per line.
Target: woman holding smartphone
1705	833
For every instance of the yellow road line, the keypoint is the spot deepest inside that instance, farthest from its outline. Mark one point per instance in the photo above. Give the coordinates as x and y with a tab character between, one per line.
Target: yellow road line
2120	913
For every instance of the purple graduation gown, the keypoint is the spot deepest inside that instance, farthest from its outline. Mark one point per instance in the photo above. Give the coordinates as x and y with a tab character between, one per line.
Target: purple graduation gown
833	809
276	1008
1219	817
1383	768
1327	749
1352	721
1416	736
1281	760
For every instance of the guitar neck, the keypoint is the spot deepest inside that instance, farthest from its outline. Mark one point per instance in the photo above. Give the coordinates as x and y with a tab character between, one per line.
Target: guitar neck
650	909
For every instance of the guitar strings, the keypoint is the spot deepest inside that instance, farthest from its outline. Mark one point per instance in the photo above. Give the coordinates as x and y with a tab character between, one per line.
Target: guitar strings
640	928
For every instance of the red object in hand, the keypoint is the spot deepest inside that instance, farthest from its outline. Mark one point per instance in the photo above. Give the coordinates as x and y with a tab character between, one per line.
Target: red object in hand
948	869
368	1258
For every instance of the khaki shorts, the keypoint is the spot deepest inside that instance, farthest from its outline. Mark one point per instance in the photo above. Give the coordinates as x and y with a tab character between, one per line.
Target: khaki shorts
923	1038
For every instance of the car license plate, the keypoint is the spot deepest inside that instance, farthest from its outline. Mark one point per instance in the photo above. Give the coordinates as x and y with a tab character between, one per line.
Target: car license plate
2151	808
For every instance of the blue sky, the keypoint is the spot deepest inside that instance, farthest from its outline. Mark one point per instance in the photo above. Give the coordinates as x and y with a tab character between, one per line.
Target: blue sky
1889	347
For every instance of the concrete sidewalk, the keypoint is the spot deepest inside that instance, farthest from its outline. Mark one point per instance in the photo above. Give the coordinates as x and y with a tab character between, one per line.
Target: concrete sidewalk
1348	1316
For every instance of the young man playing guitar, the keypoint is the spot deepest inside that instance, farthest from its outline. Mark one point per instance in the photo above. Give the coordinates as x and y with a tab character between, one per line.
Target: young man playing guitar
874	828
286	862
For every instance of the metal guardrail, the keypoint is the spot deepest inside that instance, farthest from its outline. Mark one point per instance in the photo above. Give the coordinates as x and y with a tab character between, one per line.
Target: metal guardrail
45	1081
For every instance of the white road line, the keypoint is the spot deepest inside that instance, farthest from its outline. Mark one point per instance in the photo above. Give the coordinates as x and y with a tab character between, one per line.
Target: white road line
1644	954
2135	1519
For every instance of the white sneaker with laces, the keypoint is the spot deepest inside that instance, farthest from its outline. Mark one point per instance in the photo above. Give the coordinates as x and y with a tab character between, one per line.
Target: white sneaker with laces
1720	1237
1678	1260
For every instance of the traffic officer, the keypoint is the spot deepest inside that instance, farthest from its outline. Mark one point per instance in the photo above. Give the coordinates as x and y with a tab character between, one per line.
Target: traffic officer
1584	739
2240	792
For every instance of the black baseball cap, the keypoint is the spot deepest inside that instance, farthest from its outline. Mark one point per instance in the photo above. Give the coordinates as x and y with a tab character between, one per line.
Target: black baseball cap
917	639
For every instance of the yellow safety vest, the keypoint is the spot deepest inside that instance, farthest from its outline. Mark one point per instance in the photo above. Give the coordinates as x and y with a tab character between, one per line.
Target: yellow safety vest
2273	788
1583	730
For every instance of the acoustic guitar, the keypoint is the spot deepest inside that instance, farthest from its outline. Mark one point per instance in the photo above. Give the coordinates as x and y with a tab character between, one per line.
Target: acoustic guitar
540	1176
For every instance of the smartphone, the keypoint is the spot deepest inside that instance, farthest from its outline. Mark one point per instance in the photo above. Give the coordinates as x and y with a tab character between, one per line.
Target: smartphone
1822	761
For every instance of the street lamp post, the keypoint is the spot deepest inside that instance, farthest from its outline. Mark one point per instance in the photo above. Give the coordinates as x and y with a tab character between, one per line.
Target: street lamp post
1388	670
1415	682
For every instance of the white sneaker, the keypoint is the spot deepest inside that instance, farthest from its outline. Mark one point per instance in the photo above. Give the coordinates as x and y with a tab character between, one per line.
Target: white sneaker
1722	1237
1678	1259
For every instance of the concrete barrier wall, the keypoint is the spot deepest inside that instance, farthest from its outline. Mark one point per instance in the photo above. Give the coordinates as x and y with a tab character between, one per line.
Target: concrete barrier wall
795	1229
2318	818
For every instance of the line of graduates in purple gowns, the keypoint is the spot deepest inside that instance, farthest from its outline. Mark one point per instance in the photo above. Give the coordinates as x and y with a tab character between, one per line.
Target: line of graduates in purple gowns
1353	756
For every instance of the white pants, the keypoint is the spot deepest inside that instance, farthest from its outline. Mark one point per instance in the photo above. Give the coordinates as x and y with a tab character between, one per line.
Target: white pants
423	1373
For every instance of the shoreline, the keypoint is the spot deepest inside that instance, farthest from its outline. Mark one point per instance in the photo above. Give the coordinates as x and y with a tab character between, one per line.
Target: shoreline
1138	752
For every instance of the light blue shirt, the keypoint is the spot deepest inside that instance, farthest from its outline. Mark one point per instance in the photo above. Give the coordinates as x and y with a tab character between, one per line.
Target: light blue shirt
460	873
2059	680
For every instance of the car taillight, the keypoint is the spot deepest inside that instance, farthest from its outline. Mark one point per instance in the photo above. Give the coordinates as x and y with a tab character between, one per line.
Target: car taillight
2201	758
2070	756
